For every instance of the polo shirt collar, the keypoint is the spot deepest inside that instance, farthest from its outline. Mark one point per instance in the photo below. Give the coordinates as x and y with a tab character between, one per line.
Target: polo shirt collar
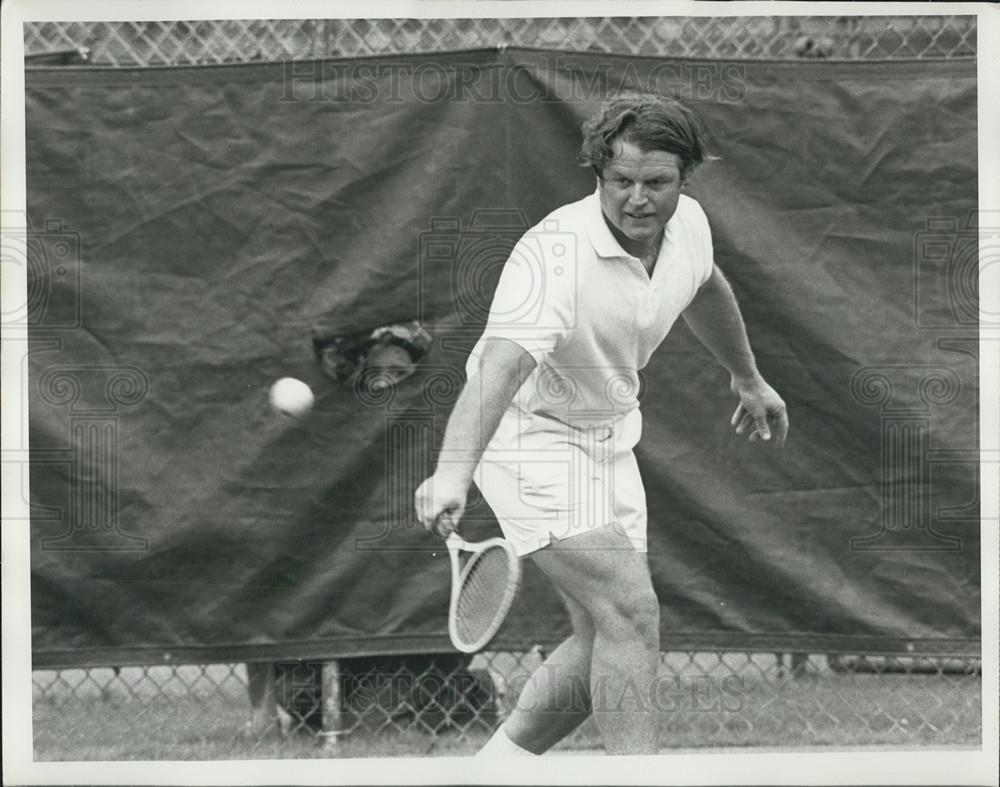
601	239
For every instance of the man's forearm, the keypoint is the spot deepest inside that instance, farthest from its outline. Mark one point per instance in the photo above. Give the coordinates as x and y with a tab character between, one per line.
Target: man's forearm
714	318
477	413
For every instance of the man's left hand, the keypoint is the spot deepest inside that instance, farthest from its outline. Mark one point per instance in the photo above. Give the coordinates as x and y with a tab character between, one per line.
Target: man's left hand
760	410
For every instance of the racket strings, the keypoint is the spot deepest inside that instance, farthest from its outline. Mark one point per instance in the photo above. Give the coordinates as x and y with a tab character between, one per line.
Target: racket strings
481	599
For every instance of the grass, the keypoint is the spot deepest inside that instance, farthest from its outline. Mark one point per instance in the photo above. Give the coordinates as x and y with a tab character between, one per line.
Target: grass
198	713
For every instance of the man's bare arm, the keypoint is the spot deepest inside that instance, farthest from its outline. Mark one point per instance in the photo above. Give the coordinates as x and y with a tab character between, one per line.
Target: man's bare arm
503	368
714	317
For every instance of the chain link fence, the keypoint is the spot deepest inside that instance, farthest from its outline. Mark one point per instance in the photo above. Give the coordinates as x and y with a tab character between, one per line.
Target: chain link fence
178	43
416	705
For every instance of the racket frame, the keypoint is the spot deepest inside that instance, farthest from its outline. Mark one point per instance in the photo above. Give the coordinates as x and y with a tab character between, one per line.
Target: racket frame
456	544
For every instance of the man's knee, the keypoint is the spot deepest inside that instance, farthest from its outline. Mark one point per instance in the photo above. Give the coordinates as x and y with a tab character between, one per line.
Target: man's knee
609	583
579	617
628	614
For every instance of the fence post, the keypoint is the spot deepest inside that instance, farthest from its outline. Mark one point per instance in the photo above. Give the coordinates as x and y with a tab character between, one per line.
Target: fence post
333	705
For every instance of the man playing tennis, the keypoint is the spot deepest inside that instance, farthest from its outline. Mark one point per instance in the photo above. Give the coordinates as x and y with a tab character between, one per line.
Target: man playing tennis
549	416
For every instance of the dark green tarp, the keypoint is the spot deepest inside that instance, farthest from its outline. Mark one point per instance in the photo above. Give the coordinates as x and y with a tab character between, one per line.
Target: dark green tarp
193	226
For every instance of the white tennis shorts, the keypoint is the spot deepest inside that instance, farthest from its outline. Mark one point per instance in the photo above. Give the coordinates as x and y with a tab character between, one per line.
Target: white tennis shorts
546	480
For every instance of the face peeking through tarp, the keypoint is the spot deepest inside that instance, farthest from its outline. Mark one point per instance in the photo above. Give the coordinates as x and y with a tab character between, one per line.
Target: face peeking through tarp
377	359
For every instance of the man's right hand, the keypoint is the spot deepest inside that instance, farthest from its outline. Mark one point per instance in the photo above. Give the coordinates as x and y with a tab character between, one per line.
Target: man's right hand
440	503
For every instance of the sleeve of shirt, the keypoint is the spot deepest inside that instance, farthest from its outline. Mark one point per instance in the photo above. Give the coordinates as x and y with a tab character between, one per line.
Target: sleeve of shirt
534	301
704	253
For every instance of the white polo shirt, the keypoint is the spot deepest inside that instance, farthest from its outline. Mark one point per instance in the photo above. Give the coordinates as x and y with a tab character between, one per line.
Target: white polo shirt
588	312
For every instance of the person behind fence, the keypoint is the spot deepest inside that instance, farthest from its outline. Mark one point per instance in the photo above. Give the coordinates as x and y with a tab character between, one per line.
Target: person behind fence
549	416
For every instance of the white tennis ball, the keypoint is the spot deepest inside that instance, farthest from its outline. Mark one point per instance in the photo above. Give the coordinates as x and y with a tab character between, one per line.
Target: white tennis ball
291	397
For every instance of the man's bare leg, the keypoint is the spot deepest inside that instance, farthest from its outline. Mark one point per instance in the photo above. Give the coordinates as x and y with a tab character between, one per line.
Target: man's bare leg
264	716
610	581
556	698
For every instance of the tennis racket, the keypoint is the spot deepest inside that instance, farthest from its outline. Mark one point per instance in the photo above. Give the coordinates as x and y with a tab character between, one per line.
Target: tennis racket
481	591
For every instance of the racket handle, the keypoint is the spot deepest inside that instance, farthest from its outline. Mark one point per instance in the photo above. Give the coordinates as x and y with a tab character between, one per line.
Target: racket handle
444	516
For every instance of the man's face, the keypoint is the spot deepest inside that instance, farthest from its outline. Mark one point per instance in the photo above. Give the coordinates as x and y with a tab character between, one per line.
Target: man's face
639	191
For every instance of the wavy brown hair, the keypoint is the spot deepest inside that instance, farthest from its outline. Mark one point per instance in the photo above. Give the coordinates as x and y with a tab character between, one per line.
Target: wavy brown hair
650	122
